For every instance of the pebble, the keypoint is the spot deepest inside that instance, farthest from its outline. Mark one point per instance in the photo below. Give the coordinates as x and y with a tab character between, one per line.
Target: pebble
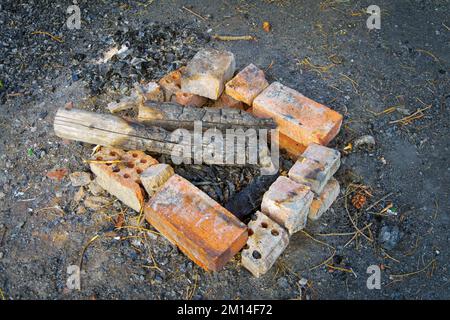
80	179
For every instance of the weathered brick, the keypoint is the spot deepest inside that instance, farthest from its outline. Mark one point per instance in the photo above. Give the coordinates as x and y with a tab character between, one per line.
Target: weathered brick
155	176
205	231
122	179
225	101
287	203
323	202
207	72
292	147
171	84
266	242
189	99
315	167
247	84
297	116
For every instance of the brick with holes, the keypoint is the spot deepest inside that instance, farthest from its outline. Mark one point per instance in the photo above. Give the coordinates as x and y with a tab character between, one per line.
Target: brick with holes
170	84
315	167
287	202
121	175
155	176
266	242
298	117
247	84
323	202
205	231
207	72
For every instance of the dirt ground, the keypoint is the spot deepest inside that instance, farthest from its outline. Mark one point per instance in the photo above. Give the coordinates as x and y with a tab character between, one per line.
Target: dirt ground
321	48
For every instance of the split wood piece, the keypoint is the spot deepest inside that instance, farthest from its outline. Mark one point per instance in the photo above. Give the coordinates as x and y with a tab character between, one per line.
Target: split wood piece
287	203
205	231
171	116
155	176
245	202
266	242
122	179
323	202
109	130
247	84
207	72
297	116
113	131
315	167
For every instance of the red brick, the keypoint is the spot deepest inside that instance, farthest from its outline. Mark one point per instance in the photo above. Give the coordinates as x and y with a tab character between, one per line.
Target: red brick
292	147
225	101
247	84
205	231
297	116
190	99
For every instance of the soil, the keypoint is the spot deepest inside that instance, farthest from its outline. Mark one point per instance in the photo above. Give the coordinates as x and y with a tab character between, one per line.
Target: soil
321	48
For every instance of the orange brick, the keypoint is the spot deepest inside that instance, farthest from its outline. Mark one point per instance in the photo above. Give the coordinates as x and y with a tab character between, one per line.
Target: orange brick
225	101
292	147
297	116
247	84
205	231
190	99
122	179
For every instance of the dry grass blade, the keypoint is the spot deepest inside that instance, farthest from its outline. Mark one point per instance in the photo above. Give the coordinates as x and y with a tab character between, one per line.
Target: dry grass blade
194	13
233	38
399	277
58	39
326	261
85	248
412	117
103	161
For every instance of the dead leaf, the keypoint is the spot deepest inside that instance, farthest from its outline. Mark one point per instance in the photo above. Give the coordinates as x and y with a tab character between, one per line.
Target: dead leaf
266	26
120	220
57	174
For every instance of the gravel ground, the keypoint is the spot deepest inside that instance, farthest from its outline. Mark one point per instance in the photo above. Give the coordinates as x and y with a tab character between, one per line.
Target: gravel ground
324	50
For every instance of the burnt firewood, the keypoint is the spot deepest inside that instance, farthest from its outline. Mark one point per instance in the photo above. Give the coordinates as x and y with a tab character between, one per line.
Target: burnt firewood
172	116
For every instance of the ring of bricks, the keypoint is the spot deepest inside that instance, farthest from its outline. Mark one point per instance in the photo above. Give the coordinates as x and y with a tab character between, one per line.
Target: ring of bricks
205	231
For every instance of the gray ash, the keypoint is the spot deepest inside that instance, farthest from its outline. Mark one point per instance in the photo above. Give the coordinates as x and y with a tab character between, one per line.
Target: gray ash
152	52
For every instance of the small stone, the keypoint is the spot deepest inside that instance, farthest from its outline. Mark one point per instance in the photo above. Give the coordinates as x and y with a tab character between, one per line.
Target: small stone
390	236
95	188
80	179
79	195
96	203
